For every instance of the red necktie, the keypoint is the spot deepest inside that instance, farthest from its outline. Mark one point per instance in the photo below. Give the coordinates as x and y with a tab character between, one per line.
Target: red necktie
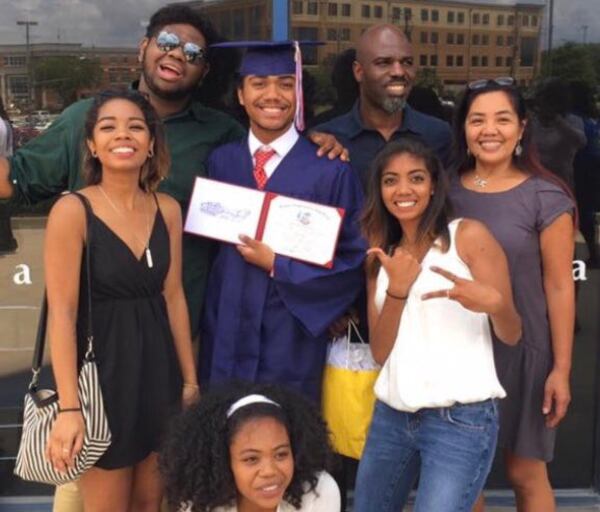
261	157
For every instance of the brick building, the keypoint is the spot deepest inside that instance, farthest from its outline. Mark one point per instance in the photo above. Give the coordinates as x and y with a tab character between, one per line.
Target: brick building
119	67
461	41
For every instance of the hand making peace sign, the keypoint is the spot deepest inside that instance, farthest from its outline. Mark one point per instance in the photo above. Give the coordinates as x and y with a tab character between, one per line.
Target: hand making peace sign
471	294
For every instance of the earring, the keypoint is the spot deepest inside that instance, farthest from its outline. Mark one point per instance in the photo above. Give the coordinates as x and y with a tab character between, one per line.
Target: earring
518	149
468	152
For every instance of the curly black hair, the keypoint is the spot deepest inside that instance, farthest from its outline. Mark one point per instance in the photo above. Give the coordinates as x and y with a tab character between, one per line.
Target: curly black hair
195	460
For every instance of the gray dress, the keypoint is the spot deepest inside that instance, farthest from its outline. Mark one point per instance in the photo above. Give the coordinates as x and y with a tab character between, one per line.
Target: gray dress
516	218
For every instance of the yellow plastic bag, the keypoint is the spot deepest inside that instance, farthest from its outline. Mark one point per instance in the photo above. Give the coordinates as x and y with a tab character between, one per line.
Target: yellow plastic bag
348	399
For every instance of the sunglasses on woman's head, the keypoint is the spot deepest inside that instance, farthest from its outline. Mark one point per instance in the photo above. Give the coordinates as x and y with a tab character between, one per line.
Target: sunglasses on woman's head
503	81
167	42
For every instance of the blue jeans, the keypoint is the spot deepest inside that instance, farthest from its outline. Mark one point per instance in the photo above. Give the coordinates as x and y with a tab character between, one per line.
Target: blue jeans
450	449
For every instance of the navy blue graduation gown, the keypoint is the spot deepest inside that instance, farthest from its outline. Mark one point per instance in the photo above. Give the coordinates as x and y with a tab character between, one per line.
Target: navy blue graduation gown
262	329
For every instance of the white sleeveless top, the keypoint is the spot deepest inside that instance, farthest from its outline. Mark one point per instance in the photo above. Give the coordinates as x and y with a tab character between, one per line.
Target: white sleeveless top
443	352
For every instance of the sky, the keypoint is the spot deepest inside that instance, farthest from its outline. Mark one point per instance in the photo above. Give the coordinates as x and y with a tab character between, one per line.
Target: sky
120	22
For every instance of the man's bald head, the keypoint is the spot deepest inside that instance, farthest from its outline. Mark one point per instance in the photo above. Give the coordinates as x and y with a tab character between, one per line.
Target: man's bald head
384	68
375	36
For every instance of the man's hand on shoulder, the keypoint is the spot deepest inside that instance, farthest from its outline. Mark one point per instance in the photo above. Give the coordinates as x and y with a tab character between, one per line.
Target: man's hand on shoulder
329	145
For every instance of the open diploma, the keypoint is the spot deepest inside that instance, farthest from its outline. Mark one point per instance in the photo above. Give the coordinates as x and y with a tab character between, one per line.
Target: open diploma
295	228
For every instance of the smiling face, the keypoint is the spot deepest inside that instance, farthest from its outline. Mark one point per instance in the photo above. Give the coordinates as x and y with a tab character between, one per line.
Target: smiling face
406	187
270	102
121	138
493	128
385	68
168	74
262	464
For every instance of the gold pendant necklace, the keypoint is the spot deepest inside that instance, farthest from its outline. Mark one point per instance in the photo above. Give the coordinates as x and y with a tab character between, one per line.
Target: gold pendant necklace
146	246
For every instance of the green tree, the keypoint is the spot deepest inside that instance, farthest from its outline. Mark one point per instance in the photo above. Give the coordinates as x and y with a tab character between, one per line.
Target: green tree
428	78
573	62
67	75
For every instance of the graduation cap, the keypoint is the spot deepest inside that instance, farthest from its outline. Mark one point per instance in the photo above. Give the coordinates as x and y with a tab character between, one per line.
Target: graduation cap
267	58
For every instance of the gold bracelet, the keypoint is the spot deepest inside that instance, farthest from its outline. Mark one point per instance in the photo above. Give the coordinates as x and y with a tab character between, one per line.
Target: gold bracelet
397	297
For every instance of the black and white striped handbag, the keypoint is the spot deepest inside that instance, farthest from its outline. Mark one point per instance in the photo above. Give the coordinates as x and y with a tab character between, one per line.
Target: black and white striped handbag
41	408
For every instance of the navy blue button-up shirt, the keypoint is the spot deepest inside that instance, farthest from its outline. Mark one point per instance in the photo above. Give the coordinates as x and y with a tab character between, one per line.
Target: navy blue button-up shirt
364	143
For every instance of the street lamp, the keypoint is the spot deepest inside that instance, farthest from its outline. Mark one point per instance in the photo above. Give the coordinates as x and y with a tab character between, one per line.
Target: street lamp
28	24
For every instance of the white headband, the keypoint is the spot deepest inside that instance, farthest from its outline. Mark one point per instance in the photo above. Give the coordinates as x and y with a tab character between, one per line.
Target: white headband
247	400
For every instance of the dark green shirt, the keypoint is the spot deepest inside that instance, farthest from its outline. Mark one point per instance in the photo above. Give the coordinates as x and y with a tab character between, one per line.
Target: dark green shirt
51	164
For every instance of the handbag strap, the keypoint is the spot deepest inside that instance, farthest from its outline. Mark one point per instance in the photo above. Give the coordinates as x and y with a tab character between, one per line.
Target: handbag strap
352	327
40	341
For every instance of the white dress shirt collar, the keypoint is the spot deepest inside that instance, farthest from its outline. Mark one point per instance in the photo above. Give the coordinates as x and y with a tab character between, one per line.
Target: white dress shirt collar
281	145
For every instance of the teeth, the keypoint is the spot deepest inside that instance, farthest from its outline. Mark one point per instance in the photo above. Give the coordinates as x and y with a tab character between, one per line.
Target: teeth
272	110
405	204
490	145
270	488
122	150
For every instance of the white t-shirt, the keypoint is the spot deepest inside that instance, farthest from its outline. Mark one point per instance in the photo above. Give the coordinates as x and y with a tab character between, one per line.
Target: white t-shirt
324	498
443	352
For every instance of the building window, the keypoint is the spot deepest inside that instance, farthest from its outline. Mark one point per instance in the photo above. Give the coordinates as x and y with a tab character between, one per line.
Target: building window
423	60
450	17
424	15
365	11
486	19
474	61
460	17
312	8
475	39
346	10
500	41
527	51
297	7
450	60
500	20
460	62
525	20
434	38
331	34
484	61
18	86
396	12
332	9
534	21
15	61
460	39
433	60
510	21
509	61
449	38
498	62
378	11
435	15
485	39
510	41
424	39
345	34
475	19
407	13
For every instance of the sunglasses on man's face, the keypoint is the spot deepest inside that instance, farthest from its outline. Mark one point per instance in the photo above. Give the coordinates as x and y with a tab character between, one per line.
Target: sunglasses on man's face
167	42
503	81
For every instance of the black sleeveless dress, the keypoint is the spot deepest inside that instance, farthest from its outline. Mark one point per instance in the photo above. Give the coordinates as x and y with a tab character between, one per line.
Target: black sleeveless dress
137	363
